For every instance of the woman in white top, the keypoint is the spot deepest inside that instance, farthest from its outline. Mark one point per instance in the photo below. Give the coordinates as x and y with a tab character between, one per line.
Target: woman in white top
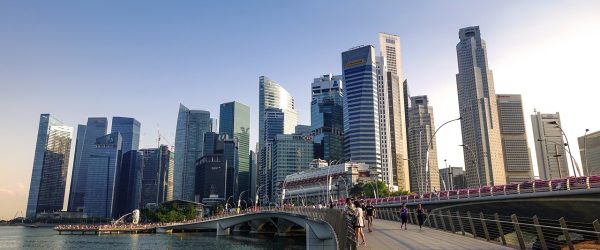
360	223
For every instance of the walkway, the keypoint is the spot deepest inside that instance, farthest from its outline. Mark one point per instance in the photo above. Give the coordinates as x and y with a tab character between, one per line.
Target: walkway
388	235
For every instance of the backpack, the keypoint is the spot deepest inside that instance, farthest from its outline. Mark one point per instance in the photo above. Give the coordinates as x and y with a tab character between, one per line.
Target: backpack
404	212
354	220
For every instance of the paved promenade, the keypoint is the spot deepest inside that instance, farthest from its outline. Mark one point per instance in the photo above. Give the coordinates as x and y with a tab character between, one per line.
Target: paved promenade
388	235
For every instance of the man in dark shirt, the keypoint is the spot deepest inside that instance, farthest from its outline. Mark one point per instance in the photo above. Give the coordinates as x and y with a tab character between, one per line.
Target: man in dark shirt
370	214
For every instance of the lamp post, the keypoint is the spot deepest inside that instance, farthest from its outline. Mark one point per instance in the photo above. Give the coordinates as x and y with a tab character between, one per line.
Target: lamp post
568	147
587	167
476	165
345	184
240	199
257	196
227	204
106	213
429	145
557	156
410	163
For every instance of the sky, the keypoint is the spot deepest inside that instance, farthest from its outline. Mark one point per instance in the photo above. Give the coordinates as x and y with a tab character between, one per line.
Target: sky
141	59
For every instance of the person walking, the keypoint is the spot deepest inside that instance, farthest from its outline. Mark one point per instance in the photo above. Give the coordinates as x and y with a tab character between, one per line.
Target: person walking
360	223
404	216
420	216
370	215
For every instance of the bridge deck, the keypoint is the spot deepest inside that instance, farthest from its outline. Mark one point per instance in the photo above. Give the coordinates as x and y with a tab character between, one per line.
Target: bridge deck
388	235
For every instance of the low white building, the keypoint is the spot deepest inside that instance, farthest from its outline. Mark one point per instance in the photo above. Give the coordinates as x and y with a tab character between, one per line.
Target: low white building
311	186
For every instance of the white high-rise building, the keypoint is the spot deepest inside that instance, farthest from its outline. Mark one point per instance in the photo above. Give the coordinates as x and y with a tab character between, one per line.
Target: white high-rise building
480	127
549	146
392	113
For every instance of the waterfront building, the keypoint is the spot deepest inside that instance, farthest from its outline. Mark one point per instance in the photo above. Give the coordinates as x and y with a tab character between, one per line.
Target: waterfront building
392	113
274	125
50	165
361	107
86	139
311	186
215	172
480	126
272	97
235	122
327	117
423	176
157	165
189	144
104	161
517	158
589	149
253	175
290	154
129	173
549	146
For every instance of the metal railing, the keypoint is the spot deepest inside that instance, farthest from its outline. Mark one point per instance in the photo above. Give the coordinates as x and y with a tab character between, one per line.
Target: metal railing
511	231
536	186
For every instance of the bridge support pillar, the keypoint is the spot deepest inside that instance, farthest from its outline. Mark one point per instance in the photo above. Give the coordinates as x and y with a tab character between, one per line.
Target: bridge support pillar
222	231
313	242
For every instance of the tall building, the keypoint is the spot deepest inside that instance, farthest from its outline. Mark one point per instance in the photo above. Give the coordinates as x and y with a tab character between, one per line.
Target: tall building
129	173
549	146
361	108
290	154
274	125
235	122
96	127
327	117
423	177
157	167
589	149
50	165
215	173
392	114
103	164
272	96
484	162
189	144
517	159
253	175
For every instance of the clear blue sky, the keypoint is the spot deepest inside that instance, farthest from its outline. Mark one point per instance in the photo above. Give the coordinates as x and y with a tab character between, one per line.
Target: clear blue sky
76	59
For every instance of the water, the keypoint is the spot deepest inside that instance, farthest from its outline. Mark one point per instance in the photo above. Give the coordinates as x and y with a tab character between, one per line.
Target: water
46	238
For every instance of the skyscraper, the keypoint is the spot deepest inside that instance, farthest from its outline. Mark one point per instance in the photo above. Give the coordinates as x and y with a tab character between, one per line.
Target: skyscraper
423	177
253	175
50	165
549	146
361	107
215	173
272	95
96	127
589	149
129	172
189	144
157	164
103	163
517	159
327	117
290	154
484	162
274	125
235	122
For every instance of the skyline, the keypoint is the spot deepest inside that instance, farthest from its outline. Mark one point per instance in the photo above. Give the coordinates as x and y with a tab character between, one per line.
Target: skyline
130	72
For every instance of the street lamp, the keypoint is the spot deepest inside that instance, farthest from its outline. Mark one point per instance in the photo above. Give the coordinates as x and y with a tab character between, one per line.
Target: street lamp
585	152
345	184
106	213
240	199
257	198
476	165
227	204
568	147
557	155
429	145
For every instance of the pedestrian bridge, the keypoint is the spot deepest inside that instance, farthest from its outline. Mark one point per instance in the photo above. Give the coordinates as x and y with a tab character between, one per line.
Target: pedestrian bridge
324	228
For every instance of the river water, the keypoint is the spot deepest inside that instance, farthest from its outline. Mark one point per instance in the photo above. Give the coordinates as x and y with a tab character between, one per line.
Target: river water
17	237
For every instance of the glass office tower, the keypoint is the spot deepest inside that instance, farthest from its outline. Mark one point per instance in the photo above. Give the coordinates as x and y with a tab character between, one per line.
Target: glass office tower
50	164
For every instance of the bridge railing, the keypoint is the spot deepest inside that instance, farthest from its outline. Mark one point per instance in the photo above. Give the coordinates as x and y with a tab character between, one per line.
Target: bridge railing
512	231
536	186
